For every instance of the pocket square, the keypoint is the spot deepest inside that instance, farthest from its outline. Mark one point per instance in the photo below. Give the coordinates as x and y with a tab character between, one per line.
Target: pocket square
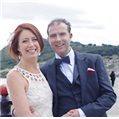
90	71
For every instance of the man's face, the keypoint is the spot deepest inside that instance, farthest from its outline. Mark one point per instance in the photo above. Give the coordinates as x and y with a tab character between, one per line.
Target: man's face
59	38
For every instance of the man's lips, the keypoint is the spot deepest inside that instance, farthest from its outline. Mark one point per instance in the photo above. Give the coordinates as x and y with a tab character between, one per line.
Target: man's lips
59	44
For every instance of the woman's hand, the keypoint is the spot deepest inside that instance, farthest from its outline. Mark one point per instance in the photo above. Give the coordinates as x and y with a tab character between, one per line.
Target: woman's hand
32	110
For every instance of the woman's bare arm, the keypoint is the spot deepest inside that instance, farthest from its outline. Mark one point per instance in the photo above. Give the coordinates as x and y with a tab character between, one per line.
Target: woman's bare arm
17	85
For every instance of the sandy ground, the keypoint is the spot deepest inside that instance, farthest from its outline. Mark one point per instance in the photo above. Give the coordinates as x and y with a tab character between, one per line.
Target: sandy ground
114	111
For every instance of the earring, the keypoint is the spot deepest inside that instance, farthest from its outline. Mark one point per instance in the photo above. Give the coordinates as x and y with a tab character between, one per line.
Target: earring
19	55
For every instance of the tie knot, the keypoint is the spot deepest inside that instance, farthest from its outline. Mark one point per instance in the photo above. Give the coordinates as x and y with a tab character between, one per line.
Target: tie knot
65	59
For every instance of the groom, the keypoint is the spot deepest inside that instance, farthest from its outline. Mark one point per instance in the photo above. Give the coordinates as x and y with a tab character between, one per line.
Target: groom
79	82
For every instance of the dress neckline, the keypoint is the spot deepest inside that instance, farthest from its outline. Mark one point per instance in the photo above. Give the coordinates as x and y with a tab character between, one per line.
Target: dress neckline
27	70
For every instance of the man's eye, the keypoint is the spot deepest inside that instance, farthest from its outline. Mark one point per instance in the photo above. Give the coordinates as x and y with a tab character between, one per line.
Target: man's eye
62	34
52	36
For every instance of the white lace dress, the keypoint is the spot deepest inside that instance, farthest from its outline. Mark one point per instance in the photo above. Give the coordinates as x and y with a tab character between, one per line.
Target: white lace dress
39	94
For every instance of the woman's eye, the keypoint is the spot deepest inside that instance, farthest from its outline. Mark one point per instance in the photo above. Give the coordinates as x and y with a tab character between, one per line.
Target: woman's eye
24	41
35	39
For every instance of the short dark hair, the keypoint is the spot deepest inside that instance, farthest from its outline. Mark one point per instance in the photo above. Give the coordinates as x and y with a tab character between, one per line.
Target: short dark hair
14	40
59	20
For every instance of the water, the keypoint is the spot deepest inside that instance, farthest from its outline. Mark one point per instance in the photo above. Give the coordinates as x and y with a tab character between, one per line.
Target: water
3	81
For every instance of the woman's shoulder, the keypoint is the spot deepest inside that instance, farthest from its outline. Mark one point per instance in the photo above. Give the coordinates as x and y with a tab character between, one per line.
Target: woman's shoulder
13	75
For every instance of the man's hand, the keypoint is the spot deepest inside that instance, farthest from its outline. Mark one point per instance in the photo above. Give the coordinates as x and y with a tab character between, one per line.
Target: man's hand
74	113
66	115
14	112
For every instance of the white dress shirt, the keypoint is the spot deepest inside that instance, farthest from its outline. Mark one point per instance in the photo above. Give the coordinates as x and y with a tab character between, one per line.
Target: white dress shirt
67	70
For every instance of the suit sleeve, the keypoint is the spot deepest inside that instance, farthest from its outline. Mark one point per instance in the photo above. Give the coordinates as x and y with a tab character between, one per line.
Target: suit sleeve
106	97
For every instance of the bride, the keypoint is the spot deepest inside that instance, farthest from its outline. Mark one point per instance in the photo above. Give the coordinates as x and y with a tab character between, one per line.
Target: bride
27	85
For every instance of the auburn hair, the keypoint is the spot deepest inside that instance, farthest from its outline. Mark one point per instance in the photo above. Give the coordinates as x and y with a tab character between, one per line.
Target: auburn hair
15	38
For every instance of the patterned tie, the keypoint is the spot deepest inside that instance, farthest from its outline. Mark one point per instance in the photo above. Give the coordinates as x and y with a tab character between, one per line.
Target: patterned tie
59	61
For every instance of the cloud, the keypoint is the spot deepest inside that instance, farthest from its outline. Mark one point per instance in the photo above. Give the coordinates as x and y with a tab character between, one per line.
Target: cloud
0	9
25	10
36	10
92	21
90	26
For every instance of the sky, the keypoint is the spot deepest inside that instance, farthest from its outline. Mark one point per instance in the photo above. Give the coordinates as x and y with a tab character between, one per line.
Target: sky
92	21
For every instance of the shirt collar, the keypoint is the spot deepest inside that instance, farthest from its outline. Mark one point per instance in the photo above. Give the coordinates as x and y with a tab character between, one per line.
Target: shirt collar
70	54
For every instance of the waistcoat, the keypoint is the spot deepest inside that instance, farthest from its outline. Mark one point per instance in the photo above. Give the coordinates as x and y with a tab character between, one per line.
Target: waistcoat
69	94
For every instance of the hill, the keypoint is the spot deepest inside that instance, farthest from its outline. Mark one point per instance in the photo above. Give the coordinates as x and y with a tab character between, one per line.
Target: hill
105	51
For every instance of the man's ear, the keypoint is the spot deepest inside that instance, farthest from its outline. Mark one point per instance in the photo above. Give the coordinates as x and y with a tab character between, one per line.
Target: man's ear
48	39
71	35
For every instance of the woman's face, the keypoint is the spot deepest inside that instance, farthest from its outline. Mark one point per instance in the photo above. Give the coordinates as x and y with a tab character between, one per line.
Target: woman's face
28	45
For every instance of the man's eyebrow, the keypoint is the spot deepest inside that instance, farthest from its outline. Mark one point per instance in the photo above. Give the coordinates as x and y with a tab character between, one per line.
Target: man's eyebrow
52	34
62	32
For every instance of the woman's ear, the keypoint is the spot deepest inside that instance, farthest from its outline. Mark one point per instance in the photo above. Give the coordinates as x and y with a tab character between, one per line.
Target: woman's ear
18	49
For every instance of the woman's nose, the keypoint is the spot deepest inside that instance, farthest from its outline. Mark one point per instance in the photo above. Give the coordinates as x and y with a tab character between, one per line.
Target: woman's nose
31	43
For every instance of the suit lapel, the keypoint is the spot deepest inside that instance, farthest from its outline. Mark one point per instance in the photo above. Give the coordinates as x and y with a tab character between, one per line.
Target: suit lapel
51	77
75	73
82	68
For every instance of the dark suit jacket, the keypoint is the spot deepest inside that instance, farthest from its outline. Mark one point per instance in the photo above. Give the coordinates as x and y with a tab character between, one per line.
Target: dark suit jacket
97	95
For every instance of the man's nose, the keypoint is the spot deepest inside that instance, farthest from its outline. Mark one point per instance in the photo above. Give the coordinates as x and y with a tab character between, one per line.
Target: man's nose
58	38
